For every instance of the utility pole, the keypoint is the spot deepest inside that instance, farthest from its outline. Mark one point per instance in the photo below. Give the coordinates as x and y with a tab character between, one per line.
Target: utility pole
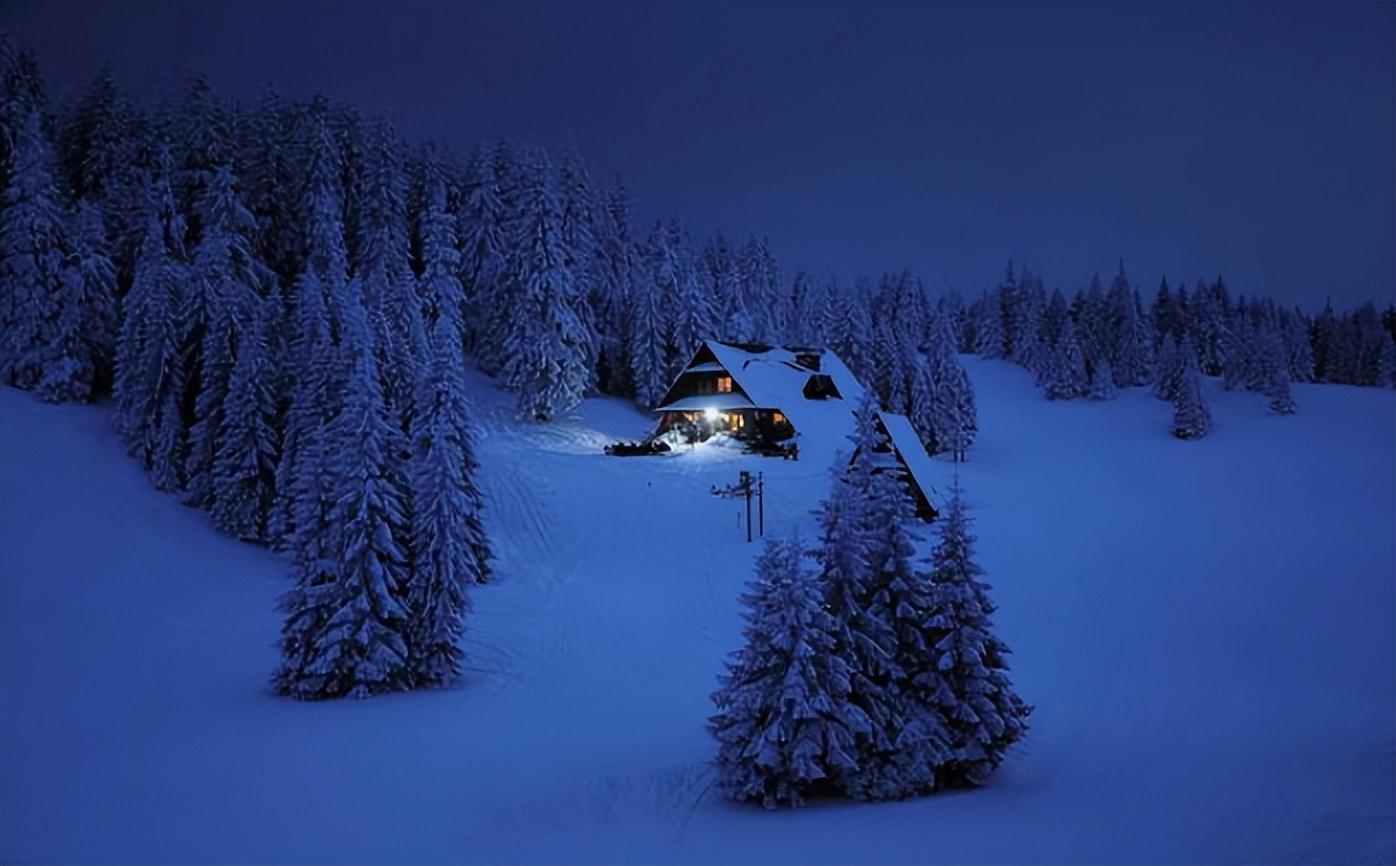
747	487
761	500
746	490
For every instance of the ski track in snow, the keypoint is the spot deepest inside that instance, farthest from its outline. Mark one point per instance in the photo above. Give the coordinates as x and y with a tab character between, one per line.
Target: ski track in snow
1205	629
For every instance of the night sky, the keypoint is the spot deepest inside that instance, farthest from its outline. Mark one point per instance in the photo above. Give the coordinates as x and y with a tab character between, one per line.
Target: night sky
1252	140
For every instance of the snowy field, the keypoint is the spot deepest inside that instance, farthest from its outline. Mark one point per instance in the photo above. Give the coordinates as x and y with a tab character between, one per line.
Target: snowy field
1207	629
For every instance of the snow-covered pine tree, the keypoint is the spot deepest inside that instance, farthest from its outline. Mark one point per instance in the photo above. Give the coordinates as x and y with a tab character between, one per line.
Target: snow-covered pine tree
1298	350
1088	315
916	738
1165	316
494	295
1026	324
149	380
226	281
382	268
1054	318
921	402
441	291
649	327
1269	360
449	550
989	331
1102	382
548	344
346	624
32	259
269	171
578	229
758	280
848	329
736	320
302	503
889	365
1171	364
203	146
1274	367
301	494
1238	359
77	360
1064	373
953	417
617	276
92	140
968	681
1133	357
692	314
862	633
1208	329
956	414
799	304
785	725
1191	419
1281	400
243	477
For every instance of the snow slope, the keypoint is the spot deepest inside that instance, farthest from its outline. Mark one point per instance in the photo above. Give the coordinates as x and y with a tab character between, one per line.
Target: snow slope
1206	628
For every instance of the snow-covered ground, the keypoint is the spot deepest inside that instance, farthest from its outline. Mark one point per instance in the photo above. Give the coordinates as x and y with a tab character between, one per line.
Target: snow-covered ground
1208	630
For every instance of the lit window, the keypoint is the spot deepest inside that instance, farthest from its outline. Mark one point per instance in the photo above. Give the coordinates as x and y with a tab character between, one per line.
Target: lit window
778	417
724	384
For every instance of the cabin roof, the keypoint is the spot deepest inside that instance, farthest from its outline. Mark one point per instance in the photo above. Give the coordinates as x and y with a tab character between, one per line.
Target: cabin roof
913	453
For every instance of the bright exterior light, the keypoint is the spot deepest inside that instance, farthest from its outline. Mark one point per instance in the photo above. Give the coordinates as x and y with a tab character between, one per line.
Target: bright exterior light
710	413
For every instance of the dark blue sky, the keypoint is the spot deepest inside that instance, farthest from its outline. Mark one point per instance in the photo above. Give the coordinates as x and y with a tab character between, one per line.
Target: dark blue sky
1255	140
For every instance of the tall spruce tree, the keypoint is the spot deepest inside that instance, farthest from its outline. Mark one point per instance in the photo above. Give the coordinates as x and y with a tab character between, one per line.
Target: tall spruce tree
1191	419
786	727
968	681
243	475
347	620
1064	373
649	326
848	560
989	332
76	360
448	543
1133	359
226	281
149	384
548	345
301	476
32	250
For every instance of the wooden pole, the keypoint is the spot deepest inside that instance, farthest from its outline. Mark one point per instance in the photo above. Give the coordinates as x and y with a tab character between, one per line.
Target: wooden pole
761	500
746	488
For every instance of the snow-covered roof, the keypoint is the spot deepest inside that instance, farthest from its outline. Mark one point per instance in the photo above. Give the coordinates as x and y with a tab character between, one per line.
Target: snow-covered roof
913	453
774	379
699	402
705	367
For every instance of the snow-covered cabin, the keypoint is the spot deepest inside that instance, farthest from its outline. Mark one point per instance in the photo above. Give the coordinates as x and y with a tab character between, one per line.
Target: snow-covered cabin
759	393
774	394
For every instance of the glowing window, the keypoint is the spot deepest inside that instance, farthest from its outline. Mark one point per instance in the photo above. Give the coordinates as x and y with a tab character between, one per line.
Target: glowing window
724	384
778	417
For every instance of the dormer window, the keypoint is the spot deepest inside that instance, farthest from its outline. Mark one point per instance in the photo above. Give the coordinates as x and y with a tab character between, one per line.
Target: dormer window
724	384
